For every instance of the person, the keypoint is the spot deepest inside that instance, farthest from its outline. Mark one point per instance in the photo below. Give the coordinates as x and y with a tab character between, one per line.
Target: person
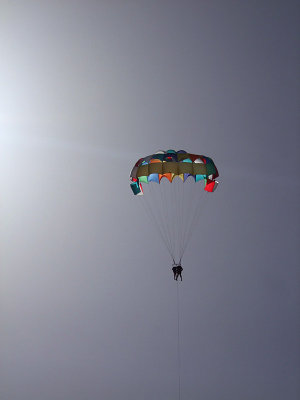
177	270
174	272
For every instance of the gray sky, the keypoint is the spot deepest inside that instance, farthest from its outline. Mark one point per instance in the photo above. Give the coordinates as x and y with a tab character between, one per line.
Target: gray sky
87	297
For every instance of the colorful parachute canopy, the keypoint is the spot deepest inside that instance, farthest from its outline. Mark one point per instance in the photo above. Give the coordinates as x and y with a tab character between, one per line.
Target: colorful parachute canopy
174	208
169	164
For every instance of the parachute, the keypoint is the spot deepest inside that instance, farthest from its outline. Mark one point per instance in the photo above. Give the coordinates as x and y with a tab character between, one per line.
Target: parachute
173	197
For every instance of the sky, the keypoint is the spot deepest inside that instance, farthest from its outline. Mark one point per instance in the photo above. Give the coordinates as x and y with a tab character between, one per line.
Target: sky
87	298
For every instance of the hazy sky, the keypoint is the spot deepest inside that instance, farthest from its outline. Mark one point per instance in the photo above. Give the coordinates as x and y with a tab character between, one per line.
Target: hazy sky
87	301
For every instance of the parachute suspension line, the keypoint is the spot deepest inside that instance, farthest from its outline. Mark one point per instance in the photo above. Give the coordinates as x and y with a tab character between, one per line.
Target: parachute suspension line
178	344
178	212
162	201
188	226
156	200
187	213
163	216
176	215
181	220
166	211
195	204
170	214
200	206
173	199
151	214
175	210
